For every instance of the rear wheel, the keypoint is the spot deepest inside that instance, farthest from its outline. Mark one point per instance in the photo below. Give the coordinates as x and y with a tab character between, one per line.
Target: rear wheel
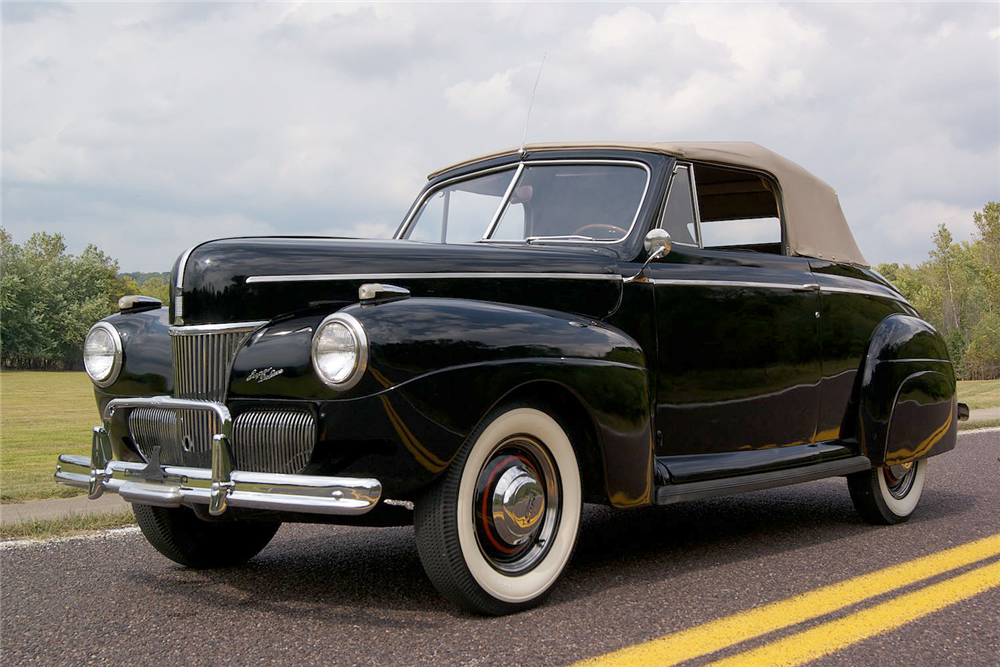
497	529
889	494
181	536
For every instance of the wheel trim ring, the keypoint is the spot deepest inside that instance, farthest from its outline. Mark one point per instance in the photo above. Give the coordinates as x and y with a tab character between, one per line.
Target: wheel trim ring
536	548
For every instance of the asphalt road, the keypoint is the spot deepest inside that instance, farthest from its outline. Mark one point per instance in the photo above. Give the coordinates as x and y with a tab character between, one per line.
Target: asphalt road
347	596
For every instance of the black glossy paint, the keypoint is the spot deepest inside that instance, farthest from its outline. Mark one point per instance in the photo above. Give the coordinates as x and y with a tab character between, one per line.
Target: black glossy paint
436	366
739	366
146	364
215	287
906	367
714	381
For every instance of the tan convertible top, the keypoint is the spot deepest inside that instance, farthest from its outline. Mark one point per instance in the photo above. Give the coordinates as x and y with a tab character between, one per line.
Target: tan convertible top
814	222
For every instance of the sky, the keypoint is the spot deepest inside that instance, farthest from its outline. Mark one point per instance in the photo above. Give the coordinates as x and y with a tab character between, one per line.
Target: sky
144	128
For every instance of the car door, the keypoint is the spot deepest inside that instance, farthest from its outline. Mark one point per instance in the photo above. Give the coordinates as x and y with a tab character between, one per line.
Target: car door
739	364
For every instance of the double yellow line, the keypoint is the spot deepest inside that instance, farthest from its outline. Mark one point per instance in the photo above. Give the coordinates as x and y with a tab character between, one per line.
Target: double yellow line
810	644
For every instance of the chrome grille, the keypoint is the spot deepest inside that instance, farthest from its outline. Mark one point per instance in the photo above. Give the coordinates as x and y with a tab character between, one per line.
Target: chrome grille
202	357
273	440
263	440
184	436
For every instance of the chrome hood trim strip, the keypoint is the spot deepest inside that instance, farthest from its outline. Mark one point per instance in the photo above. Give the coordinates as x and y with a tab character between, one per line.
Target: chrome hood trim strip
430	276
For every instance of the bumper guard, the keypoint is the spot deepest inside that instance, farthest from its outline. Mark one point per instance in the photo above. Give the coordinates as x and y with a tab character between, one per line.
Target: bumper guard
220	487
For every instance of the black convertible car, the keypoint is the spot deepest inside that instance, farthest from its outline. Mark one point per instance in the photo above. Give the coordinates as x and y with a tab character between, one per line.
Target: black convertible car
628	324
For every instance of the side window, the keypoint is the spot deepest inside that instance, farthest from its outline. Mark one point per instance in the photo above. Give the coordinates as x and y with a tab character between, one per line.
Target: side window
738	210
678	216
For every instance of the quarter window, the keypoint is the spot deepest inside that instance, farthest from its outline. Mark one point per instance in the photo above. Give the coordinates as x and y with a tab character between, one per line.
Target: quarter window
738	210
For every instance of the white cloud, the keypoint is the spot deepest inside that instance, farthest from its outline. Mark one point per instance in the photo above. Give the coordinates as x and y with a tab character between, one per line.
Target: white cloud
146	127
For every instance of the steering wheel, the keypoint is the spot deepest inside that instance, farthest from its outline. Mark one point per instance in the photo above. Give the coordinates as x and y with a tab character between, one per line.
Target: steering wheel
603	227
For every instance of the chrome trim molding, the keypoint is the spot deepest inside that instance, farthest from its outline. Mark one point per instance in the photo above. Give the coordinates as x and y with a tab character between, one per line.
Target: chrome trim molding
404	228
116	367
181	265
431	276
193	329
888	294
361	343
803	287
729	283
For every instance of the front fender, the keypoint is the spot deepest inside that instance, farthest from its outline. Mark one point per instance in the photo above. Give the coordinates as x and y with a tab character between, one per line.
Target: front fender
909	408
437	366
146	357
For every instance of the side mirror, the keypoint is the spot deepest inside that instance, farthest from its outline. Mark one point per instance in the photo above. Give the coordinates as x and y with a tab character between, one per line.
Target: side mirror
657	244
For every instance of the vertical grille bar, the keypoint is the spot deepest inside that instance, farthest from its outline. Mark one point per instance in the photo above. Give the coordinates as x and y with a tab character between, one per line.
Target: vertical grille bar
202	358
274	440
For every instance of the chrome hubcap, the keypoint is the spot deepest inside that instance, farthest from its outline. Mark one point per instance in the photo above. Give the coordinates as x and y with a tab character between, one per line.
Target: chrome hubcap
899	479
516	505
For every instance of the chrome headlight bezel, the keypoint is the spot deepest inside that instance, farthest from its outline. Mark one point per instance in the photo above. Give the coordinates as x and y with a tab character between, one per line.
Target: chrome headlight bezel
116	365
357	331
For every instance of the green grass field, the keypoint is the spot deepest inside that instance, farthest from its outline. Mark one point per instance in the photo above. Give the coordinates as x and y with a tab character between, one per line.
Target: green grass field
979	393
44	414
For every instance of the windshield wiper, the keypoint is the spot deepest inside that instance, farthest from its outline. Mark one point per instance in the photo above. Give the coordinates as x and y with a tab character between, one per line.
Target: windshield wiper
567	237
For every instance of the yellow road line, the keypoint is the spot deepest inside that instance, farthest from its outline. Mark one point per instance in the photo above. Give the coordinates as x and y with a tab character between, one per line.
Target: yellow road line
816	642
724	632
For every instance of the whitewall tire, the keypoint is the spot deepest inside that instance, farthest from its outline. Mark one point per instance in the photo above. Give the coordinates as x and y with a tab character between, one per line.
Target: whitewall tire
888	494
496	531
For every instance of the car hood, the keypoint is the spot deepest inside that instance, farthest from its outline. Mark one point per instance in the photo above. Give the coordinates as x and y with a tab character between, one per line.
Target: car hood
262	278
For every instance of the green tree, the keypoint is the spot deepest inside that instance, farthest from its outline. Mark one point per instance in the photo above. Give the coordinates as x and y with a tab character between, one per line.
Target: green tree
50	299
155	287
958	290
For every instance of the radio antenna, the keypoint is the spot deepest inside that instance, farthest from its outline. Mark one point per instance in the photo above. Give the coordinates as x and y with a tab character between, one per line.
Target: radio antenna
533	90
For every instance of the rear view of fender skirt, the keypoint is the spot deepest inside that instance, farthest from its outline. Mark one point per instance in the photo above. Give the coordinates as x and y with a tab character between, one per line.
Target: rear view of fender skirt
219	487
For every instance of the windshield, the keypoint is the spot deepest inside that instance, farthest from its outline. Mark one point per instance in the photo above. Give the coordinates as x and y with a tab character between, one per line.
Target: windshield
587	202
550	201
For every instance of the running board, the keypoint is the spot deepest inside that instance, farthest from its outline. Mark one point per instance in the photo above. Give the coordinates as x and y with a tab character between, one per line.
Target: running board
675	493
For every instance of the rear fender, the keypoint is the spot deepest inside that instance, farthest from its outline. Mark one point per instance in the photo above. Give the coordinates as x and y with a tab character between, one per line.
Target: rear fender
908	403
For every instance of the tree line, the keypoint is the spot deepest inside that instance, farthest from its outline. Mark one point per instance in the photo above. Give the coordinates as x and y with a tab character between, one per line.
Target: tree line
49	299
957	289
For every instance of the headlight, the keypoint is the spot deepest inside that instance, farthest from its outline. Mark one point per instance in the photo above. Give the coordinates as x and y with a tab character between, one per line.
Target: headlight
340	351
102	354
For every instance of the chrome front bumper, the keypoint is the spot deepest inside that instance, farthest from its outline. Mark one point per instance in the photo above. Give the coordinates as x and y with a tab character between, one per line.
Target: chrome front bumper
219	487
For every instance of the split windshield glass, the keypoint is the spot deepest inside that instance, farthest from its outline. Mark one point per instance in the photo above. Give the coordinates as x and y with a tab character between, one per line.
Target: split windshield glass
573	202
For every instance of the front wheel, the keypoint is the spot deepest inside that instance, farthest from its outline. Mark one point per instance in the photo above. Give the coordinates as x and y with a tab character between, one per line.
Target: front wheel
889	494
181	536
497	529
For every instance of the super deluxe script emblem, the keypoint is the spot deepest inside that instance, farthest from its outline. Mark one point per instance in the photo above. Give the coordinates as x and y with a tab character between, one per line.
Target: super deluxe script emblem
264	374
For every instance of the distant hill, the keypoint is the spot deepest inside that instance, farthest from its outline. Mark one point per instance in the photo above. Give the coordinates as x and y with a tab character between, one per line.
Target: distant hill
140	276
